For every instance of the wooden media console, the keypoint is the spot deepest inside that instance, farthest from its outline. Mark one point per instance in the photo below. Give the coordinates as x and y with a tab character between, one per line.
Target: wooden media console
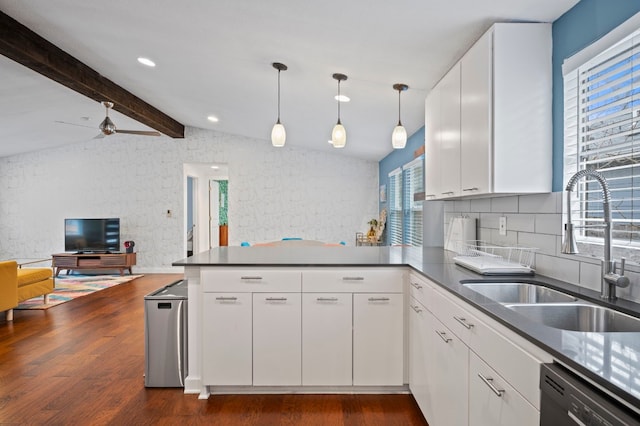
73	261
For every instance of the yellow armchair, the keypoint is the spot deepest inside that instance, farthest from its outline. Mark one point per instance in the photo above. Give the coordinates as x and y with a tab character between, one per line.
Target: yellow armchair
20	284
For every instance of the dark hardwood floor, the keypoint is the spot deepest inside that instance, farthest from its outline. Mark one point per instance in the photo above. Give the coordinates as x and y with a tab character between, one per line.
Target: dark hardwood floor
82	363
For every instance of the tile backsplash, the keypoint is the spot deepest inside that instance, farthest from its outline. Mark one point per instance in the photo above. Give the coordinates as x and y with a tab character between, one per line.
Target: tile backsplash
536	221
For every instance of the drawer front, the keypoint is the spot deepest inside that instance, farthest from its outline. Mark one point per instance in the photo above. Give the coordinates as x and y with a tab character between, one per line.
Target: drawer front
354	280
454	316
420	288
250	280
62	261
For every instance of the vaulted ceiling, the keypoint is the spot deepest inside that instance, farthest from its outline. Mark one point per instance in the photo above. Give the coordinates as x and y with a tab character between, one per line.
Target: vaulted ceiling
214	58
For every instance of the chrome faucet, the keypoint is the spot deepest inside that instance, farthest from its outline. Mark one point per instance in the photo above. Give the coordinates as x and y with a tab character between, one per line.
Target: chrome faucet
610	279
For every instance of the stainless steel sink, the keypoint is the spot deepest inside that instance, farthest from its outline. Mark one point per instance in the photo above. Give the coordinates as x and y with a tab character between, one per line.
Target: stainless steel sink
519	292
578	317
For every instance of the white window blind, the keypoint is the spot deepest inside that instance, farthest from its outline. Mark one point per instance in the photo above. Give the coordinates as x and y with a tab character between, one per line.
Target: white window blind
394	226
413	177
602	132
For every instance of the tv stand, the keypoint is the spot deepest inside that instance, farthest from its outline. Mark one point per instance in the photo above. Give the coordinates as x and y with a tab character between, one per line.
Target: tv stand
80	261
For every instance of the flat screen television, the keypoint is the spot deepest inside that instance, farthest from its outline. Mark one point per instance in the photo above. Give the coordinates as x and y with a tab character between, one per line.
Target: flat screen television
92	235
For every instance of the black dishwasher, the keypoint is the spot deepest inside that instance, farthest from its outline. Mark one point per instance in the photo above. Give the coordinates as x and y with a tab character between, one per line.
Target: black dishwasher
567	399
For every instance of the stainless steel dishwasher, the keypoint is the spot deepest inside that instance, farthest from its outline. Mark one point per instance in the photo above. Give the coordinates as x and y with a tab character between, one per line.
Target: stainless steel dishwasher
566	399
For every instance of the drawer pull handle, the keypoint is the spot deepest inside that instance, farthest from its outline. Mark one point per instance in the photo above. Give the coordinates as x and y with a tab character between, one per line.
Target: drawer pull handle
276	299
489	382
227	299
416	285
352	278
443	336
470	189
378	299
448	193
327	299
416	308
464	322
431	195
250	278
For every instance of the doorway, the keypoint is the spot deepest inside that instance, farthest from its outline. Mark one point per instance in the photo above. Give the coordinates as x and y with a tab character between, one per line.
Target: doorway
202	182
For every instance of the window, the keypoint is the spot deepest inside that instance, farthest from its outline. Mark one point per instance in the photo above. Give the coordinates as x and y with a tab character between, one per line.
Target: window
405	214
602	132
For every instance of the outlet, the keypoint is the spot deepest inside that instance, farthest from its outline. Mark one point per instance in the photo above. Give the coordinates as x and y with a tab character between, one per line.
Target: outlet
502	225
169	213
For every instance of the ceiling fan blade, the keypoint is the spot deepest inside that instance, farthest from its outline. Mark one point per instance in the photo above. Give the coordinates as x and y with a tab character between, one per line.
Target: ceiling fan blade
138	132
74	124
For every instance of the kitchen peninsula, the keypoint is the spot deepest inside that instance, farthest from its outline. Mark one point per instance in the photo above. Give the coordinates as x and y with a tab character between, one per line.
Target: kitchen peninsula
338	319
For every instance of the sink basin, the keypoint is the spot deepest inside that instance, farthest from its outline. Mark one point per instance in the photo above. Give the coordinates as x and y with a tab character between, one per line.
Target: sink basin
519	292
578	317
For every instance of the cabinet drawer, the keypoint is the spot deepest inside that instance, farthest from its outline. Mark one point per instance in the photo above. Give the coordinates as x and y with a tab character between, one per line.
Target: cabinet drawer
420	289
454	316
250	280
352	280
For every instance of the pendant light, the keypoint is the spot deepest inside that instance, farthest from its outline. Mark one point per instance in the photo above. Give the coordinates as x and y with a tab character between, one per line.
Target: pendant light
278	133
339	134
399	136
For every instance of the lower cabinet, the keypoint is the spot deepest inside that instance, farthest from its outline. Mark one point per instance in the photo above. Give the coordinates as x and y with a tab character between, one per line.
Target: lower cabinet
227	339
378	349
327	350
277	339
420	358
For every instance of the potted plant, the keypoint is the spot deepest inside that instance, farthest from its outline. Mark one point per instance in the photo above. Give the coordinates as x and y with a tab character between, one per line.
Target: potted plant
371	235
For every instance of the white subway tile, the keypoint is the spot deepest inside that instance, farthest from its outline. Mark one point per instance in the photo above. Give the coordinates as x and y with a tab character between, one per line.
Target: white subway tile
549	224
481	205
559	268
546	244
538	203
505	204
520	222
590	276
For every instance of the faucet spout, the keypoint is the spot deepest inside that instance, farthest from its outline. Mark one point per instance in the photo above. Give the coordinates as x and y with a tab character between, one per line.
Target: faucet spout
610	279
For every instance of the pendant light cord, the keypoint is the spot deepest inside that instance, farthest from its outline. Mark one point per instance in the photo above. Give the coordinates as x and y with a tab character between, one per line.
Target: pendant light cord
278	122
339	102
399	122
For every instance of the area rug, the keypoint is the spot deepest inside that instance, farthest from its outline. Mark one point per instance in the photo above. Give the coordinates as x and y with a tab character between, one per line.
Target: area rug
74	286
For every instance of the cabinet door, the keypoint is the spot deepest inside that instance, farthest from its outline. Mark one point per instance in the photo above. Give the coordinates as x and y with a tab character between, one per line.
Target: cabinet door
326	339
378	339
449	377
420	356
432	167
493	402
277	341
226	339
476	117
450	133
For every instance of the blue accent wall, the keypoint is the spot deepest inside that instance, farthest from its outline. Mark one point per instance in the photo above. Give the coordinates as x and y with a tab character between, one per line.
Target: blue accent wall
585	23
399	157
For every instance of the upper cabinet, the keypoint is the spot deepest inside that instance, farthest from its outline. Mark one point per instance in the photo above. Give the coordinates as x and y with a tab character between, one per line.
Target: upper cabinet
488	126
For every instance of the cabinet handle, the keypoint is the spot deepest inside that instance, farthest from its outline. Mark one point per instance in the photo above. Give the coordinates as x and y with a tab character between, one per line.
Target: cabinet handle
463	321
250	278
443	336
416	308
430	196
327	299
378	299
275	299
448	193
231	299
352	278
489	382
470	189
416	285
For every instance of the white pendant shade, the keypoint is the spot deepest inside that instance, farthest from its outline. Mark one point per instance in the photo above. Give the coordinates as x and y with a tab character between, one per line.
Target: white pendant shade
278	135
339	136
399	137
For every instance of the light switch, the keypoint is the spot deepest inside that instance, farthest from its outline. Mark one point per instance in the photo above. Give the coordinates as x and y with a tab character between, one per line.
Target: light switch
502	225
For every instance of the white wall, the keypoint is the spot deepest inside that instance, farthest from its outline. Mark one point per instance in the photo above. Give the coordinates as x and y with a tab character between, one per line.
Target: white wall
273	193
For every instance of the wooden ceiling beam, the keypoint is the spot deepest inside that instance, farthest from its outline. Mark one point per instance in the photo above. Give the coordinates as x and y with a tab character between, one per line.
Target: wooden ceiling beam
24	46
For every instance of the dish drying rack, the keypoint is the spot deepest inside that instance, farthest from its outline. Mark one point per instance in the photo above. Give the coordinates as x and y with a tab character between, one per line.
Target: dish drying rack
491	259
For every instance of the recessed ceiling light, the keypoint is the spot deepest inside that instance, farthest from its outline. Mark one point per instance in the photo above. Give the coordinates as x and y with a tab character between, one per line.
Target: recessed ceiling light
342	98
213	118
146	61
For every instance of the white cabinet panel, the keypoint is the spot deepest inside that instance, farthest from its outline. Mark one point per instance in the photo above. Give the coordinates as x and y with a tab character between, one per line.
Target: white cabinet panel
493	402
420	357
432	136
450	133
378	339
250	280
277	342
326	339
354	280
226	339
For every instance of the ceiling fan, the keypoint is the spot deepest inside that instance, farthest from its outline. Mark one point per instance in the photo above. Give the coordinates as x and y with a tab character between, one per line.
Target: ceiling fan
108	128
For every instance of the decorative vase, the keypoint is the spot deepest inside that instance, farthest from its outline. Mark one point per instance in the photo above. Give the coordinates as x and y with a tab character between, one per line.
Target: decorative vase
371	235
224	235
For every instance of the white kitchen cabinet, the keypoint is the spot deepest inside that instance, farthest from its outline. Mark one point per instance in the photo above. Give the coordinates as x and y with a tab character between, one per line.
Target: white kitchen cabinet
504	115
493	402
378	339
420	357
277	357
450	133
227	342
326	339
432	138
449	373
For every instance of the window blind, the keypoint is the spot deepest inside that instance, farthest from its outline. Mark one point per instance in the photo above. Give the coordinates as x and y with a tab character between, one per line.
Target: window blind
413	176
602	132
394	225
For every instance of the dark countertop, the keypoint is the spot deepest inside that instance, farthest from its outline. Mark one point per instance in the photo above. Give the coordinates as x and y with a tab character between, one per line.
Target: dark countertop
610	359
